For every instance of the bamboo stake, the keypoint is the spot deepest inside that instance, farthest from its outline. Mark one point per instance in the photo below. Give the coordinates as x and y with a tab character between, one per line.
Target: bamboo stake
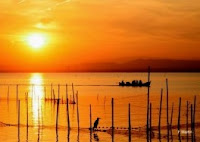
148	103
58	91
54	97
68	114
57	115
150	119
68	135
66	92
18	114
187	120
194	113
27	109
172	111
179	115
90	117
129	121
112	113
73	93
167	107
18	120
112	119
77	109
51	91
191	122
160	112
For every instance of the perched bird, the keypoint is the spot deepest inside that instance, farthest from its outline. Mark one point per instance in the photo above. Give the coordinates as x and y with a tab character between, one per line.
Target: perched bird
96	123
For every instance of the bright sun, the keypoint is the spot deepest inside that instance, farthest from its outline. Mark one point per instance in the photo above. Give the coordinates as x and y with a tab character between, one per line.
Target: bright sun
36	40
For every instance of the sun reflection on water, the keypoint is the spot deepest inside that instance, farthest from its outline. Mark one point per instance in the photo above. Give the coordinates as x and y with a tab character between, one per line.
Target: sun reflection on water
37	94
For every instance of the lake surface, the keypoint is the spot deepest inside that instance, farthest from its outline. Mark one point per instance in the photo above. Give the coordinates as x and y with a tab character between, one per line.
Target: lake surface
94	89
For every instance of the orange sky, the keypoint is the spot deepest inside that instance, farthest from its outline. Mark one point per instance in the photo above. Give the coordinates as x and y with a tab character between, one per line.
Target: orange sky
84	31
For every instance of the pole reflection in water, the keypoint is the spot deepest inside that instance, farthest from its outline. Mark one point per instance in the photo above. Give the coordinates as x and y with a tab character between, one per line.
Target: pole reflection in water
90	135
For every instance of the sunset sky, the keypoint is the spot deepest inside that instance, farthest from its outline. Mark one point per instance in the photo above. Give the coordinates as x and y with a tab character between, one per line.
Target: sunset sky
89	31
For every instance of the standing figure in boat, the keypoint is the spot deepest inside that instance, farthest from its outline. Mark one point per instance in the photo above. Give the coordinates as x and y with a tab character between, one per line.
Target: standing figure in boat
140	83
122	83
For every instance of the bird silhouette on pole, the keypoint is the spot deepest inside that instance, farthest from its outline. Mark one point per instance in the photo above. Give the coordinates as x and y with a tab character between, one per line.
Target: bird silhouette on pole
96	123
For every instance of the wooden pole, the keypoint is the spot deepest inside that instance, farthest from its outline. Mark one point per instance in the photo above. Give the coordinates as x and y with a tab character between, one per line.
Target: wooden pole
187	119
112	113
27	109
172	111
27	116
194	114
54	96
167	107
129	121
51	91
113	120
18	120
57	115
73	93
191	122
77	109
149	71
179	115
66	92
68	136
160	112
150	119
90	117
18	113
148	92
58	91
68	121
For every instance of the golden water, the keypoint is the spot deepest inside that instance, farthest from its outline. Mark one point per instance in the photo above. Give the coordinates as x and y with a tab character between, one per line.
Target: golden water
42	114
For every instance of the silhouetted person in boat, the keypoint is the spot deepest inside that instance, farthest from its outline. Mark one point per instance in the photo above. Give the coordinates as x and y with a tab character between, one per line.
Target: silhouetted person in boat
140	82
133	82
96	123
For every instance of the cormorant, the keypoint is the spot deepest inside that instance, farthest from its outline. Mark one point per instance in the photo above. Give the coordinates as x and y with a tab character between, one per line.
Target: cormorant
96	123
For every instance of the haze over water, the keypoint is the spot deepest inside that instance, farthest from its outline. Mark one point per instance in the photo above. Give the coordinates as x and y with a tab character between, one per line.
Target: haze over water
43	113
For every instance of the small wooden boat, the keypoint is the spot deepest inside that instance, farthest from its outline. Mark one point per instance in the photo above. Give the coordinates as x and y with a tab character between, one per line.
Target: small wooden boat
135	83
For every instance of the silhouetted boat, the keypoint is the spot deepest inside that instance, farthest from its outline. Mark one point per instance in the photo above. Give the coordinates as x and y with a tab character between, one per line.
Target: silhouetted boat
135	83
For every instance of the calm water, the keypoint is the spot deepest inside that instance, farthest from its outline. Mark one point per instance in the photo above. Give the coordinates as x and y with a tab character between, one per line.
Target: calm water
42	114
